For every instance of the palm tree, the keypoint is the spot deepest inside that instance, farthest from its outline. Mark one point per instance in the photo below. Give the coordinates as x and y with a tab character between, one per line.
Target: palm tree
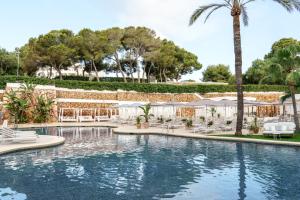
286	65
238	8
146	109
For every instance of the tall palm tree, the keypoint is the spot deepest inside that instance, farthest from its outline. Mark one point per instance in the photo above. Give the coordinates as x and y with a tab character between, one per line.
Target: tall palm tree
286	64
238	8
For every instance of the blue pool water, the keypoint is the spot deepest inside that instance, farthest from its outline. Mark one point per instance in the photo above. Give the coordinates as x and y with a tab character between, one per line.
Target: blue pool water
96	164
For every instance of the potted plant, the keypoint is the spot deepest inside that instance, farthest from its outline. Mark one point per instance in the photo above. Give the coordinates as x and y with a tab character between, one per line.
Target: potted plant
254	126
188	123
202	119
212	111
146	109
228	122
160	120
138	122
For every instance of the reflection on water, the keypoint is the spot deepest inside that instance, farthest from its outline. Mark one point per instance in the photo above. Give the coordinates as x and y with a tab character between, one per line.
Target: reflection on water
96	164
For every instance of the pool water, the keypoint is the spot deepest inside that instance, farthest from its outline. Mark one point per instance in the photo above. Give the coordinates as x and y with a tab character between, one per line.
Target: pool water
96	164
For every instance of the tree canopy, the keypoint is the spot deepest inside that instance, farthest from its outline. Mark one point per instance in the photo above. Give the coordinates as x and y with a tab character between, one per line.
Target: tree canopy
8	62
115	50
217	73
262	71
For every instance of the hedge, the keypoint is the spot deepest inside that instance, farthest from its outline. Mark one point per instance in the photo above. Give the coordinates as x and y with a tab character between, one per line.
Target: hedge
139	87
102	79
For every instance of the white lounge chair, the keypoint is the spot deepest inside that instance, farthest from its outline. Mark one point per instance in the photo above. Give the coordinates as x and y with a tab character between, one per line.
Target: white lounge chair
13	136
279	129
86	115
99	117
68	118
5	124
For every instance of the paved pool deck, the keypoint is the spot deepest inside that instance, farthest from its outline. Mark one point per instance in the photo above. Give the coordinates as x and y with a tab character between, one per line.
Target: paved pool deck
50	141
131	130
43	141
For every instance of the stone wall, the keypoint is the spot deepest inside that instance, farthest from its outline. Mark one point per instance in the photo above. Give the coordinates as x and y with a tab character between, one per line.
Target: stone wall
260	96
124	96
78	98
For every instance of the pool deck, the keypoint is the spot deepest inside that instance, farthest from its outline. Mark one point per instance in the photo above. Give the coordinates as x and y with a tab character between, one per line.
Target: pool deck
50	141
131	130
43	141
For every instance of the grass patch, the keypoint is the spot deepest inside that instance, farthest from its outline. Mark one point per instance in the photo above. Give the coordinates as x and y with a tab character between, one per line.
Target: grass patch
295	138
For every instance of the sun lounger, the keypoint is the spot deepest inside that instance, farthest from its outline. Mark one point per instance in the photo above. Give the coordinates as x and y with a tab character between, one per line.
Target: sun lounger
13	136
102	114
68	118
86	115
5	124
279	129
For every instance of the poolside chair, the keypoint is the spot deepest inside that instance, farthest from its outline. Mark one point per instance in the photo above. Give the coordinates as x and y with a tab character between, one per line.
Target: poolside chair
13	136
204	130
86	115
279	129
65	117
99	117
5	124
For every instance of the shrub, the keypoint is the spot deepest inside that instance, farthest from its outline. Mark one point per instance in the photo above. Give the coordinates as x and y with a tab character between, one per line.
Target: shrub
102	79
140	87
17	107
42	109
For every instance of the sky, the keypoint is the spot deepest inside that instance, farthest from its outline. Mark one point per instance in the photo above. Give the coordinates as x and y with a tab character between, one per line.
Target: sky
212	41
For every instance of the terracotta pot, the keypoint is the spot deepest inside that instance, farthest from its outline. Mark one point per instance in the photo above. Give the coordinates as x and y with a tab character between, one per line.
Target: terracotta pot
138	126
146	125
256	130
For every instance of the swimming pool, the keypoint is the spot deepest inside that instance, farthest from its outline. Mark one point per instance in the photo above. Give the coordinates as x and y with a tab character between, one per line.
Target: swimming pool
96	164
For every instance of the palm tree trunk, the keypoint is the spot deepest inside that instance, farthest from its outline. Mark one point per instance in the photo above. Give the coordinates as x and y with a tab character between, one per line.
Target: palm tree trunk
296	119
238	70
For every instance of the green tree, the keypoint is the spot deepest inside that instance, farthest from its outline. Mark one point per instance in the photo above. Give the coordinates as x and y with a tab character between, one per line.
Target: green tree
52	49
91	45
238	8
8	62
286	64
114	48
137	41
282	43
217	73
257	72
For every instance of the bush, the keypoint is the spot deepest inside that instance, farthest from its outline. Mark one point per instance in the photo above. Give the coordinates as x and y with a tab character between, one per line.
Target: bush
102	79
139	87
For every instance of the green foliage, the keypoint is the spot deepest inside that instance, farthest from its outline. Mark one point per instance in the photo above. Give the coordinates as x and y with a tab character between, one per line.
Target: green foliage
254	126
8	62
217	73
101	79
256	72
212	111
142	87
146	109
113	50
188	123
280	44
17	107
42	109
138	120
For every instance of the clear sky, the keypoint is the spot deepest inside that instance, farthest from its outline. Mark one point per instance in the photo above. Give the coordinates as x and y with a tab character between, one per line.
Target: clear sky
211	42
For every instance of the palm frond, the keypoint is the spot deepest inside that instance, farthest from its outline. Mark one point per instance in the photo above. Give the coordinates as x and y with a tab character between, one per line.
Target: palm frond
202	9
245	15
286	96
289	5
213	10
